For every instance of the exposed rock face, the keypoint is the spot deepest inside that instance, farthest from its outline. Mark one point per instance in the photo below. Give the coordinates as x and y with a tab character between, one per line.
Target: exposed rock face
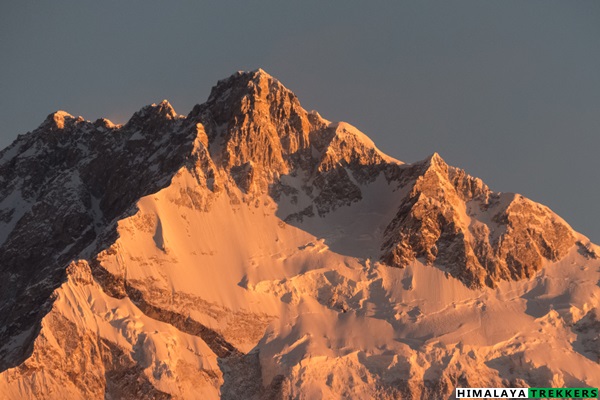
256	128
63	185
160	256
257	132
454	220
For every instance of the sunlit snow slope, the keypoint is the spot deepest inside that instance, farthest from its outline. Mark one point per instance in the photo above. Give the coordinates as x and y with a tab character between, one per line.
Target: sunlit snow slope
254	250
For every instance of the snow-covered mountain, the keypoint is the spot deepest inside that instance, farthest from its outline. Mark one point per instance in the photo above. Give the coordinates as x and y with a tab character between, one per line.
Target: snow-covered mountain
252	249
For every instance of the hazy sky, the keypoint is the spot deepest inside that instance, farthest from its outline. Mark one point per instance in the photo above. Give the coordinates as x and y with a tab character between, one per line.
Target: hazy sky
508	90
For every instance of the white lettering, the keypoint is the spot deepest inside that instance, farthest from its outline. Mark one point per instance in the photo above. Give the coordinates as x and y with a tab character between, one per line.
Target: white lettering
498	393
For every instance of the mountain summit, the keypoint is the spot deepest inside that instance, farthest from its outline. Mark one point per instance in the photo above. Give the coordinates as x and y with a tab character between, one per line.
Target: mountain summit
252	249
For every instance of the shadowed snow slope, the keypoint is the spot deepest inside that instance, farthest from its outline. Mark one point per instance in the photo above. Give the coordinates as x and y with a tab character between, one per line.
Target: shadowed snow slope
255	250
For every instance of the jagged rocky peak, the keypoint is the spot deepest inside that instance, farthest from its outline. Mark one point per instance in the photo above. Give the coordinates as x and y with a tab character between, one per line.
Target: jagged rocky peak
247	90
258	131
253	95
435	175
453	220
59	120
163	109
105	123
152	117
532	229
436	161
256	127
345	144
62	184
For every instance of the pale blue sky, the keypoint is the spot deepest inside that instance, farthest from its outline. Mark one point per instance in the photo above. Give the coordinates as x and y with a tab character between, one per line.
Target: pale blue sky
509	91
